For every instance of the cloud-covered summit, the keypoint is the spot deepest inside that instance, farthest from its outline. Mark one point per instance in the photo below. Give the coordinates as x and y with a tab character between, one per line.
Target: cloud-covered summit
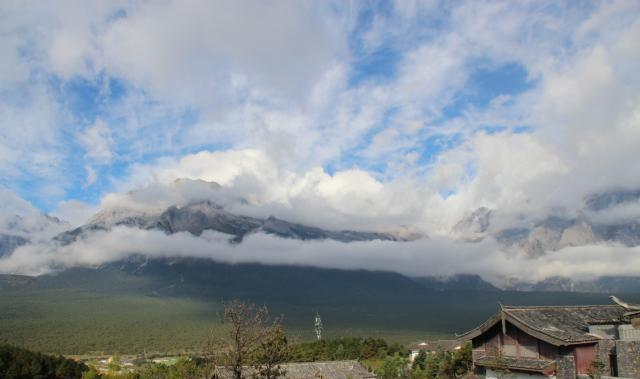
402	116
202	219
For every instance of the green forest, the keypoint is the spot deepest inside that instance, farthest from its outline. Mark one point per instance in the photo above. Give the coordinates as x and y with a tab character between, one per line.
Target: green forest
17	363
253	338
79	322
387	361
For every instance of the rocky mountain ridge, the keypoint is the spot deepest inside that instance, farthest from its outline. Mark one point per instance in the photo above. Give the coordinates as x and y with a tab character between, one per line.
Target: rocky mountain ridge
554	232
535	237
19	230
197	217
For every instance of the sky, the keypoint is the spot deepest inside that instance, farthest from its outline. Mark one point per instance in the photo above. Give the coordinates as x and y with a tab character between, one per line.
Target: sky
369	115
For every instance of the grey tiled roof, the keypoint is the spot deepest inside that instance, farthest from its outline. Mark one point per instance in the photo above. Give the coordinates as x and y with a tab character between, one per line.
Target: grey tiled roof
558	325
309	370
569	324
514	363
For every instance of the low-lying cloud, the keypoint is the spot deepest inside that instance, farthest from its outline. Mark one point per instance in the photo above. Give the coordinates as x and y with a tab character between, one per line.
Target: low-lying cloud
425	257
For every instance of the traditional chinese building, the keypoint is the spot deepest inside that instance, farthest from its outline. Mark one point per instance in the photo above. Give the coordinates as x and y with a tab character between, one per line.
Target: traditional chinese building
564	342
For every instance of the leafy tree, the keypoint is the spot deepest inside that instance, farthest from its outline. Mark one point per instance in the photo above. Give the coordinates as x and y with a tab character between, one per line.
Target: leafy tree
432	366
91	373
345	348
273	351
461	360
597	369
445	369
18	363
114	364
417	373
420	360
393	367
339	353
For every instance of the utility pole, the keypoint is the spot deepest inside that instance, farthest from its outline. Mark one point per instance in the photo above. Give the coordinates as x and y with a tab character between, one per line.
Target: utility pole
318	325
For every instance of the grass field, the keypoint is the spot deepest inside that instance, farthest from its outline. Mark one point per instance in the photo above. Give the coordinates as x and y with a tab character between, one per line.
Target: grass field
84	322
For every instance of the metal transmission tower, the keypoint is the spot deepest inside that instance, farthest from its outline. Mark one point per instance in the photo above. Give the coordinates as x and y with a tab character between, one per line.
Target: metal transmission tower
318	325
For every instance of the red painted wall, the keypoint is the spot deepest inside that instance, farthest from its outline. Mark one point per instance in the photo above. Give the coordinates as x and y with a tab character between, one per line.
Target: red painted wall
585	356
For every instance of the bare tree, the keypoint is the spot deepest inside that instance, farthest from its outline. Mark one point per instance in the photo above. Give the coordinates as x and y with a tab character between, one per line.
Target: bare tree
254	338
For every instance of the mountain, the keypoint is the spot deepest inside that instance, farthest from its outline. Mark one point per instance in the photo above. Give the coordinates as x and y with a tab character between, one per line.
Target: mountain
554	232
196	217
551	233
18	230
203	278
199	208
459	282
604	200
473	226
9	243
603	284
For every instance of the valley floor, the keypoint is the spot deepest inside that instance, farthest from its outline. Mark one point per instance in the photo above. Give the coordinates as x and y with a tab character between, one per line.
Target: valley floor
80	322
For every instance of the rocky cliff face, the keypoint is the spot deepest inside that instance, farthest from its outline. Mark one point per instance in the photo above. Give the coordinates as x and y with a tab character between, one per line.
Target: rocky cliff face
605	200
9	243
474	226
604	284
197	217
19	230
537	237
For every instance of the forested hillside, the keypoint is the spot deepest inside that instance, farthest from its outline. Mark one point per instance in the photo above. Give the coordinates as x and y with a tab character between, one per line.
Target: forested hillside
18	363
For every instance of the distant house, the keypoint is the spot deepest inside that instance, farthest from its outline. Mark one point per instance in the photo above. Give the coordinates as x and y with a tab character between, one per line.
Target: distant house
308	370
434	346
556	342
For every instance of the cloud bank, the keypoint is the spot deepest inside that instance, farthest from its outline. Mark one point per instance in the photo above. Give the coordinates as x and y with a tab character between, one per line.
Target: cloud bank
426	257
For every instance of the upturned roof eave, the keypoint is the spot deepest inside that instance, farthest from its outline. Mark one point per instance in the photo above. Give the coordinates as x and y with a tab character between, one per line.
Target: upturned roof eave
537	333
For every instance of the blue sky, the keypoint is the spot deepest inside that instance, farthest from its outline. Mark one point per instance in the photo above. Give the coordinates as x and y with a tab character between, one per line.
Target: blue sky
92	93
401	116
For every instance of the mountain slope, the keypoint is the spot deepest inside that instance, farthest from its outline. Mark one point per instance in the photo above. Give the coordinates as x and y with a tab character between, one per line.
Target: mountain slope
204	278
9	243
460	282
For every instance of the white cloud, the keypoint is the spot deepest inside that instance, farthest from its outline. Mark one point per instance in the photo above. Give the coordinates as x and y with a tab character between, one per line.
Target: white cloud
31	146
75	212
187	50
19	218
97	142
92	176
254	184
433	257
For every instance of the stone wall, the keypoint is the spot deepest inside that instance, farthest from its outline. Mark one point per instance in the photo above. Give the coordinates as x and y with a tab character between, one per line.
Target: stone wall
628	333
628	353
604	349
565	366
